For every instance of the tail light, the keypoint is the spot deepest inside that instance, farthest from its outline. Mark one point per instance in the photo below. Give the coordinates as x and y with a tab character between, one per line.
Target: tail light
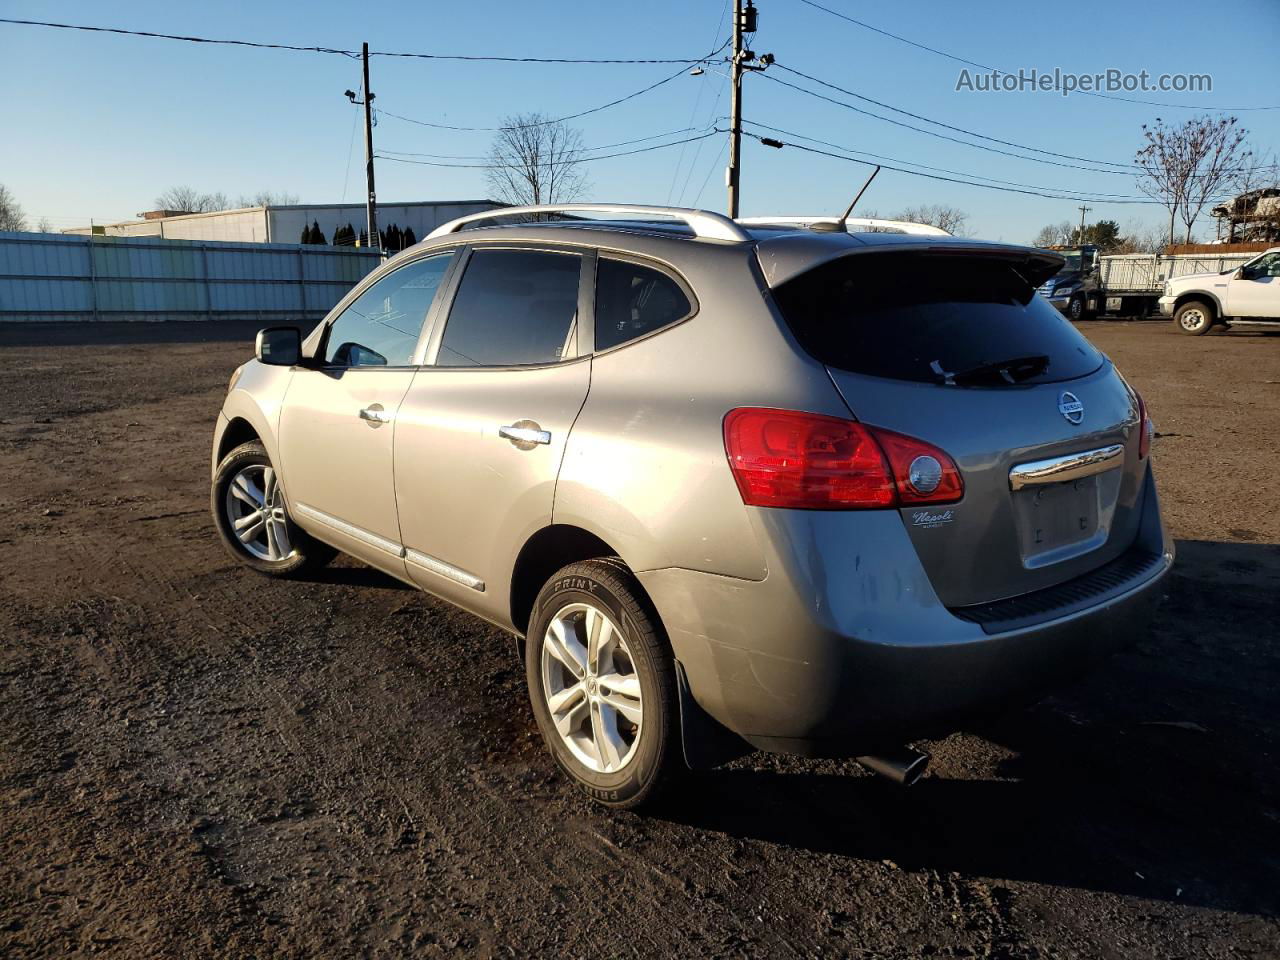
783	458
1146	429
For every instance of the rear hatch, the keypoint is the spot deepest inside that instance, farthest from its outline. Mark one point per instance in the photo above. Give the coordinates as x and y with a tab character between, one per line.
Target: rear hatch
953	347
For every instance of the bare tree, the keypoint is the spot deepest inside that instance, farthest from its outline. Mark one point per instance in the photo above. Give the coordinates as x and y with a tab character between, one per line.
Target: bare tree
11	216
1055	235
1139	237
951	219
44	226
190	200
1185	166
267	198
535	160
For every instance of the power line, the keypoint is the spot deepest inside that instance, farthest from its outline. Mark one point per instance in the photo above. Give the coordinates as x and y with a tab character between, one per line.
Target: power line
693	113
498	166
940	136
1036	192
186	39
984	66
353	54
947	126
542	123
603	146
880	157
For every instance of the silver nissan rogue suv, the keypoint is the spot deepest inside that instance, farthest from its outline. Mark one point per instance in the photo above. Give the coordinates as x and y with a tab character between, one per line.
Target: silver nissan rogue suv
735	485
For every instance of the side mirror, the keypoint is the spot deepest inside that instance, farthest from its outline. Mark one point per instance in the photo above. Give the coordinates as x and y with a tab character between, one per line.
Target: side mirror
279	346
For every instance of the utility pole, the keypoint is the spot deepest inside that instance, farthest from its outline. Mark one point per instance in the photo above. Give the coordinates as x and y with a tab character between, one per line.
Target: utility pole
733	172
371	195
1083	210
744	21
371	198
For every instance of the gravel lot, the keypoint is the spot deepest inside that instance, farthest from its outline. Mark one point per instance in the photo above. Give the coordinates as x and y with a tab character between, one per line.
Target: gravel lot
195	761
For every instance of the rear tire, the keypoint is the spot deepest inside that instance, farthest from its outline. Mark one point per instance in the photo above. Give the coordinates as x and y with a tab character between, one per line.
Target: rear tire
1194	318
252	518
602	684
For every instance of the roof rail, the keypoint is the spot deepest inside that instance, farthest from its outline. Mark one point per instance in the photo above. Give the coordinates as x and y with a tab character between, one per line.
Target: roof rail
704	224
895	226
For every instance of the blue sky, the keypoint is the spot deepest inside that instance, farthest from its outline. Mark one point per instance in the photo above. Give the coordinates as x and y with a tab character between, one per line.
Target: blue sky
97	125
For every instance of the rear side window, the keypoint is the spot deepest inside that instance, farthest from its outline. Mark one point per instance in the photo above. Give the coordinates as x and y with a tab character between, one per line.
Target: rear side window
513	307
933	319
632	300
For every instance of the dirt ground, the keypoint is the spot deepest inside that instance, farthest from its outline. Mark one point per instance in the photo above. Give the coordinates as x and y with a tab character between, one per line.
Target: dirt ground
196	761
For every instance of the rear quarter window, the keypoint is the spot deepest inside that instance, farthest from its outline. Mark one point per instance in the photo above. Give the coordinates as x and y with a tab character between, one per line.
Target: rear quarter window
634	300
920	317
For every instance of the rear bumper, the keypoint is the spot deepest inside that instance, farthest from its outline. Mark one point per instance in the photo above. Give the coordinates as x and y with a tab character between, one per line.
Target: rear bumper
811	662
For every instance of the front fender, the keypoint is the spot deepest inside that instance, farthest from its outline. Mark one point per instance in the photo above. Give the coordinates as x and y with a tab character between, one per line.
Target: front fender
1200	294
256	400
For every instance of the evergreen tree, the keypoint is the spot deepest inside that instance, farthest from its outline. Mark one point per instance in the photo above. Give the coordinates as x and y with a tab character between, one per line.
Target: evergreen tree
351	235
409	238
382	239
364	238
306	235
316	235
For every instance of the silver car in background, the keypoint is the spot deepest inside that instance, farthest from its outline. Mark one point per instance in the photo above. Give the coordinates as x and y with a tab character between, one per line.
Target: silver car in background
734	485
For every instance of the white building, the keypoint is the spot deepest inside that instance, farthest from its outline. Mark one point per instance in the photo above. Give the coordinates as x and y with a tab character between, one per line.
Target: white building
284	224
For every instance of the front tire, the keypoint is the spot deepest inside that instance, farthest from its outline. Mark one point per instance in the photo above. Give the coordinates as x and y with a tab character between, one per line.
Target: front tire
1194	318
1075	309
252	518
602	683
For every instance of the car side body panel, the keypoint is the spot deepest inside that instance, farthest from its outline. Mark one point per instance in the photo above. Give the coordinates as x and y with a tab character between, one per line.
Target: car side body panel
645	468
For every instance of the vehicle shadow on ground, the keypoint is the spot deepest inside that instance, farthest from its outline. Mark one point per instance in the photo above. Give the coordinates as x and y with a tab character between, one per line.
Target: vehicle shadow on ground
353	574
1110	787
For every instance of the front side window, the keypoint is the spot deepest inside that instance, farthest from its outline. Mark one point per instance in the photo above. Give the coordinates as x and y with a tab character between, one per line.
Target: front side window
513	307
632	301
380	328
1265	266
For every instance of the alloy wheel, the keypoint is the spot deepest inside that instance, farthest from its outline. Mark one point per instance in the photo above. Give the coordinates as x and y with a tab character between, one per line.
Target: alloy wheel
255	510
591	687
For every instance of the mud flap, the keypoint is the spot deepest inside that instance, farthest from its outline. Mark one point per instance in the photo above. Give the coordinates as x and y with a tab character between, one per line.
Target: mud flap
707	743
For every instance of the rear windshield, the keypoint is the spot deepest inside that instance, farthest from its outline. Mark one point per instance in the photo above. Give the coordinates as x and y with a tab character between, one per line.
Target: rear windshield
947	319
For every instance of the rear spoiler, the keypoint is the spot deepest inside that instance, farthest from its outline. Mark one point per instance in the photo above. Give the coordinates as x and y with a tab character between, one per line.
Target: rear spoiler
787	257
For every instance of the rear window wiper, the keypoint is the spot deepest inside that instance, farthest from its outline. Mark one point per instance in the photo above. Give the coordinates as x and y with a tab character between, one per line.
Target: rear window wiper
1012	370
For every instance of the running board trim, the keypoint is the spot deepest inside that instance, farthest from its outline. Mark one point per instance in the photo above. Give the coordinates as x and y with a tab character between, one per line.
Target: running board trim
447	570
350	530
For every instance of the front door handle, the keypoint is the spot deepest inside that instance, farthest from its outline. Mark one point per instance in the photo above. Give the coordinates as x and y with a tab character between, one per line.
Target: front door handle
375	415
525	434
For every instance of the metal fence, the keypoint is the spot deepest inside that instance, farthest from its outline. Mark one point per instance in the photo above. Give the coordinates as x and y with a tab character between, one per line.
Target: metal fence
60	277
1147	272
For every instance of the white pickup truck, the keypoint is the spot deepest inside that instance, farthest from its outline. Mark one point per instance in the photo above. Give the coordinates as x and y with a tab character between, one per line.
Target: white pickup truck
1249	293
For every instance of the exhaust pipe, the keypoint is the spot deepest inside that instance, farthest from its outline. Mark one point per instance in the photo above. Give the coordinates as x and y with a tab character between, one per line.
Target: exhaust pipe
904	765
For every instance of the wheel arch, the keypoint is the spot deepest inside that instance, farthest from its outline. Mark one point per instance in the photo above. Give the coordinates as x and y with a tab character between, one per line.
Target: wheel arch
237	431
550	548
1203	296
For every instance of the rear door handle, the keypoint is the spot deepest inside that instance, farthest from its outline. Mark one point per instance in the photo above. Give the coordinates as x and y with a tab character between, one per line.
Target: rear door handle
375	415
525	434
